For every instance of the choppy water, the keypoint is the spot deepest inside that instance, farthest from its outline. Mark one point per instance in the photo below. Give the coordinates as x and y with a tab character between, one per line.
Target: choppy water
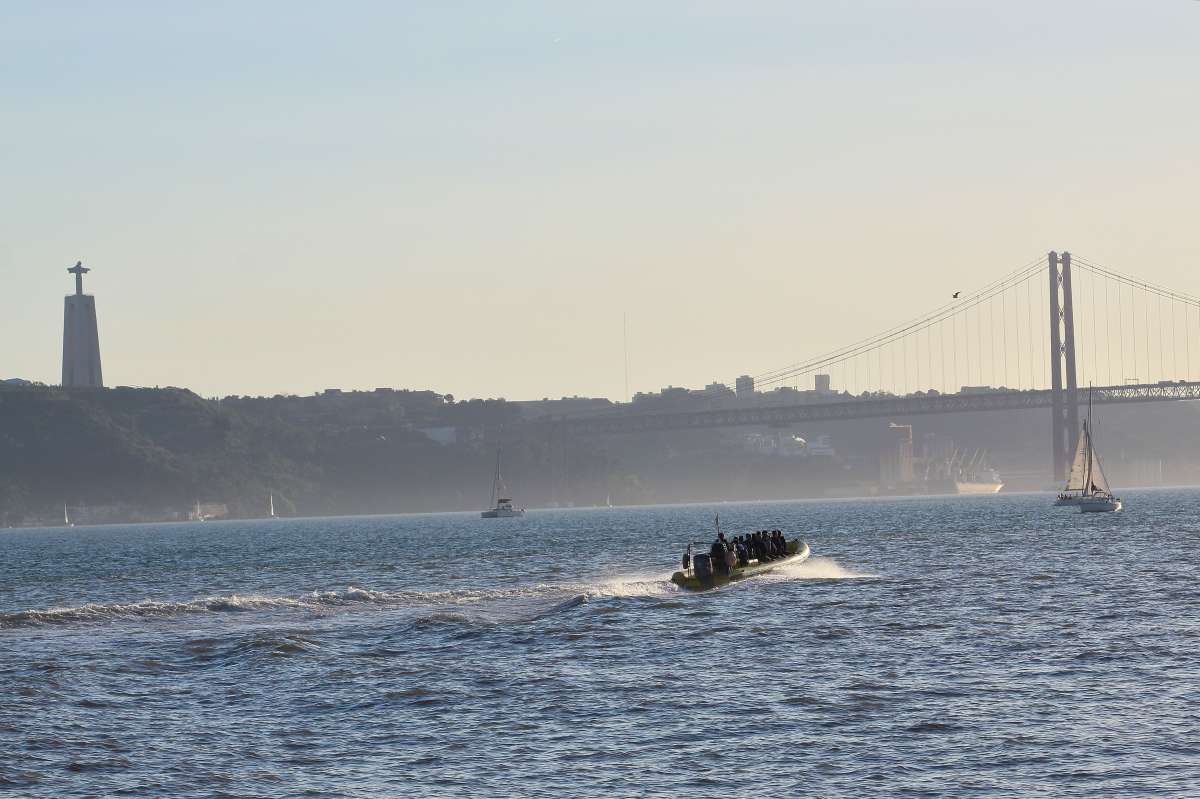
986	646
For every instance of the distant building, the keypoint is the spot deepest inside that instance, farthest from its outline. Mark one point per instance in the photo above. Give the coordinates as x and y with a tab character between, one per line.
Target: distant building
669	396
822	384
81	341
717	390
744	386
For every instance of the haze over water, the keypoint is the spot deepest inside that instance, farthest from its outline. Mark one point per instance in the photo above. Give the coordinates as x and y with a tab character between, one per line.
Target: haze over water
939	646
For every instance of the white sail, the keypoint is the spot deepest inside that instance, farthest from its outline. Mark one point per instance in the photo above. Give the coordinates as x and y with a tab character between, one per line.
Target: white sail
1094	480
1077	481
1099	481
272	506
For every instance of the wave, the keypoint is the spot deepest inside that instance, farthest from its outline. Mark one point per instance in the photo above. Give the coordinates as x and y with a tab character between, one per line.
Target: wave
145	609
443	604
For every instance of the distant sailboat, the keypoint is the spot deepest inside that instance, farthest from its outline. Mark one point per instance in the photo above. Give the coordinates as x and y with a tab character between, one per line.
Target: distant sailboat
1087	486
502	506
67	518
272	503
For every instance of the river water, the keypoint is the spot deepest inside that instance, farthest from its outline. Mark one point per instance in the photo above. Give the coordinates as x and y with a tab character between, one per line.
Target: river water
974	646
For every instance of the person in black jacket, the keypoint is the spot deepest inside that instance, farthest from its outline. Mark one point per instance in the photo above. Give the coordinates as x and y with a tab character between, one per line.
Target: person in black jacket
761	548
783	544
717	555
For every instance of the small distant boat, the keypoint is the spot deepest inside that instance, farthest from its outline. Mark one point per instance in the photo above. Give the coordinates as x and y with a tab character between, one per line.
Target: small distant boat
1087	487
502	506
271	513
67	518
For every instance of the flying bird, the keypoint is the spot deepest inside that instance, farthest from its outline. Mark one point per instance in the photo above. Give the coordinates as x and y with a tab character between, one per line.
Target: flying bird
956	294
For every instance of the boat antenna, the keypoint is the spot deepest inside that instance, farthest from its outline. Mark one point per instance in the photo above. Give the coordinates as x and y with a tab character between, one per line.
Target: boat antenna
496	479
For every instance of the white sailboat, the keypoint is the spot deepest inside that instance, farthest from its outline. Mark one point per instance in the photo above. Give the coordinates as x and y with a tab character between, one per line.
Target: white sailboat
67	518
271	513
1087	486
502	506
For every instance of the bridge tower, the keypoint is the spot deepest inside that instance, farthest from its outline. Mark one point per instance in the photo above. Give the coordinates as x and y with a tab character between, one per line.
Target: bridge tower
1064	409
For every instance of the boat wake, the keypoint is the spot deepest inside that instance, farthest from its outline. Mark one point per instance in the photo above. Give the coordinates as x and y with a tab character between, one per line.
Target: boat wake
634	585
489	605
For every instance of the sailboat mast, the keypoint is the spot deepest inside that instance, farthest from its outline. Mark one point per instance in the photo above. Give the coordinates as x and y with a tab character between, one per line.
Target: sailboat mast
496	479
1087	432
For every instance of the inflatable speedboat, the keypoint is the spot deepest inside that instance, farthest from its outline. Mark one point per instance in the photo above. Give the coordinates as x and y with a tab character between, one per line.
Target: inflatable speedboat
701	576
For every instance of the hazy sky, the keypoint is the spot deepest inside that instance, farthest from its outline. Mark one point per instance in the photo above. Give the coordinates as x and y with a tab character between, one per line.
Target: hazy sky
283	197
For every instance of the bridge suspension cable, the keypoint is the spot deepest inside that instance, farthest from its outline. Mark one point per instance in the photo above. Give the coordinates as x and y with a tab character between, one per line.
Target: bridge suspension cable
901	335
1124	331
1118	321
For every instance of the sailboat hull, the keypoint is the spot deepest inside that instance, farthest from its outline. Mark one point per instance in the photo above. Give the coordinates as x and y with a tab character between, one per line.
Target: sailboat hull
977	487
1094	505
502	513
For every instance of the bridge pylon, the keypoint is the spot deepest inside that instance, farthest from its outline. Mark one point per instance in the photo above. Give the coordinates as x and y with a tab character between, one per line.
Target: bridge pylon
1064	408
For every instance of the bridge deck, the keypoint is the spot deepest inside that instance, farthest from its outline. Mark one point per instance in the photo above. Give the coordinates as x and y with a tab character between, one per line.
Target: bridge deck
634	422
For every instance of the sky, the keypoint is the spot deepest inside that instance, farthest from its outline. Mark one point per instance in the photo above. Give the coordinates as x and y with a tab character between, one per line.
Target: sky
472	197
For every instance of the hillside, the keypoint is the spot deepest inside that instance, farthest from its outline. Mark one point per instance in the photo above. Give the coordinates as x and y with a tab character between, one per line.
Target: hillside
150	454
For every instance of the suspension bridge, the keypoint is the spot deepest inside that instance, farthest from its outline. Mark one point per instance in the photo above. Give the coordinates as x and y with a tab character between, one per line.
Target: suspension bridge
987	350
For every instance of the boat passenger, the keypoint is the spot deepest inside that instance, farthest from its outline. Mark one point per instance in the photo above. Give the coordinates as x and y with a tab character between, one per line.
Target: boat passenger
687	558
760	547
743	553
717	555
730	557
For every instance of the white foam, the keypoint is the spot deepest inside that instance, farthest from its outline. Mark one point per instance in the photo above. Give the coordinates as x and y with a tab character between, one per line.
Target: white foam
816	569
632	585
